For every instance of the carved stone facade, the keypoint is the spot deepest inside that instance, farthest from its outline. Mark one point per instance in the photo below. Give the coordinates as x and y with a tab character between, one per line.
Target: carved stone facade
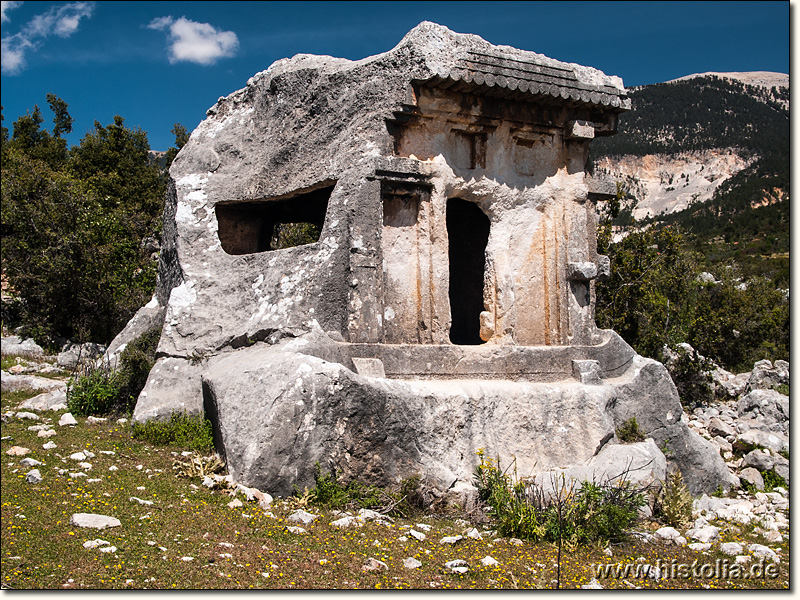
446	180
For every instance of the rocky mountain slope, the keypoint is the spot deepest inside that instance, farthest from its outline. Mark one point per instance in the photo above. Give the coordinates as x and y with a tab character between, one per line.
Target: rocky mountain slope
686	137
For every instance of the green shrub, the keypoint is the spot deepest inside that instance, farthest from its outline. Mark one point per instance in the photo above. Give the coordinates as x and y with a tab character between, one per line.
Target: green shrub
182	430
594	513
772	480
94	392
674	502
136	360
100	390
629	432
328	491
782	388
690	373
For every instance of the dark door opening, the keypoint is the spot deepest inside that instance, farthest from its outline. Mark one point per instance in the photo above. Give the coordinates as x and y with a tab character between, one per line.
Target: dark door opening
468	232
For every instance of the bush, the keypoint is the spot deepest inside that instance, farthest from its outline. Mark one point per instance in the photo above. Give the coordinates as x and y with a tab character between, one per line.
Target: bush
690	373
674	502
594	513
182	430
94	392
772	480
655	298
629	432
100	390
328	491
136	360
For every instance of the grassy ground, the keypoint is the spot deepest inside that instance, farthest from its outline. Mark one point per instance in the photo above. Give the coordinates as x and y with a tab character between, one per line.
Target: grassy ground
190	539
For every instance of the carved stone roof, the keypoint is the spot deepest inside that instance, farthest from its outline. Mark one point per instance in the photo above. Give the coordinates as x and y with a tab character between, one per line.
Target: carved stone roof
493	74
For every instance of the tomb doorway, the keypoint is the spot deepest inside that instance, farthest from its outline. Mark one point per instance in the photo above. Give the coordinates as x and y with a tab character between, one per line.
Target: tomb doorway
468	234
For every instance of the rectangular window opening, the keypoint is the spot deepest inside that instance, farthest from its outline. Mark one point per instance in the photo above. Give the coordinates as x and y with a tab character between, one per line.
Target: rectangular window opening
272	224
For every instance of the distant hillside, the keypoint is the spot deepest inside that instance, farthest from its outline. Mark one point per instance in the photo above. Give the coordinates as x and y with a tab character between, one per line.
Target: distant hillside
711	153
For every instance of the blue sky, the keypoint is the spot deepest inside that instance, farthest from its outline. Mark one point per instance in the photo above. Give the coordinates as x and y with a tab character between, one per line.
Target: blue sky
158	63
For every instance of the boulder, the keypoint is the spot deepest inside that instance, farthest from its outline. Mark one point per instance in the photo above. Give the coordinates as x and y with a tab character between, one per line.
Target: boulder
781	467
731	548
53	400
641	464
754	438
769	404
13	383
753	477
74	354
174	385
33	476
67	419
704	535
16	346
652	398
718	427
764	376
759	460
733	387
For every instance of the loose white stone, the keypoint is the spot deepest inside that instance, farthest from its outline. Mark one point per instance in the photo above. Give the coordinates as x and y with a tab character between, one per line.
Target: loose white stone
93	521
67	419
140	501
451	539
488	561
296	530
373	564
300	516
411	563
731	548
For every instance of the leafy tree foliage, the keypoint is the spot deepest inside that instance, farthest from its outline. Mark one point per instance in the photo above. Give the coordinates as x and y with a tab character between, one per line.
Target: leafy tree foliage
747	218
73	222
181	137
655	297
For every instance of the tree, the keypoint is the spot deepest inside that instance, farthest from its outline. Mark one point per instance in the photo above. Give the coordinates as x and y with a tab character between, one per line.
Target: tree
62	122
73	226
181	137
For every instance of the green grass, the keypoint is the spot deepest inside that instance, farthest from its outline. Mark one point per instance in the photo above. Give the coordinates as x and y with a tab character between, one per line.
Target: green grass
43	551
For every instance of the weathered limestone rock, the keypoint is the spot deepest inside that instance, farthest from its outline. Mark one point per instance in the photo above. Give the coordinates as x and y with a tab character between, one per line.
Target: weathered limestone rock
173	386
13	383
769	404
15	345
93	521
753	477
447	301
53	400
642	464
74	354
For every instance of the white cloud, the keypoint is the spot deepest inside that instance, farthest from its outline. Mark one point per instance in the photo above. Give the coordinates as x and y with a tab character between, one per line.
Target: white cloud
5	6
12	53
196	42
61	20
